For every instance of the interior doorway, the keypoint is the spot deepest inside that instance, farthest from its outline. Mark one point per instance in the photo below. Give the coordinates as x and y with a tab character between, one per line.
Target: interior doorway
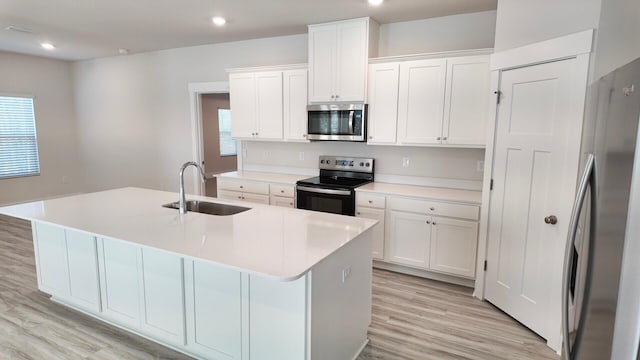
219	149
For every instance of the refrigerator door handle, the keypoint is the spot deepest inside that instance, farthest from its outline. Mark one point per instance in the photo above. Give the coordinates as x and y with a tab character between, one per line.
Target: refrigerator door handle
587	180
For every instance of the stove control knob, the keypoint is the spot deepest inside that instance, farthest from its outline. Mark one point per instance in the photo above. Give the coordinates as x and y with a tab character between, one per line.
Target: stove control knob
361	164
321	161
367	164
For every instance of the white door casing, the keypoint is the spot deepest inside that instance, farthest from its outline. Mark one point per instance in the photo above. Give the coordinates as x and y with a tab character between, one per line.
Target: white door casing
535	163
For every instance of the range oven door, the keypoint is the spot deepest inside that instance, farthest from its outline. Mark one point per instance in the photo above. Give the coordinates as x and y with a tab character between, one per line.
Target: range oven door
337	201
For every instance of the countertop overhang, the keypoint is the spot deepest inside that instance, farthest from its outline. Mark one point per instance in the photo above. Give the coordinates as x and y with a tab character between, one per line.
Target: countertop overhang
275	242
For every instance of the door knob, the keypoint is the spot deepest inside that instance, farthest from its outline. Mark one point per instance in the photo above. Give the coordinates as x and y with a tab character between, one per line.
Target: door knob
551	219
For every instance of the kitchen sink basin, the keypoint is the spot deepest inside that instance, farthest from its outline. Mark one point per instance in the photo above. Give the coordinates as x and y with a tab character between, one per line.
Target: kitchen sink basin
210	208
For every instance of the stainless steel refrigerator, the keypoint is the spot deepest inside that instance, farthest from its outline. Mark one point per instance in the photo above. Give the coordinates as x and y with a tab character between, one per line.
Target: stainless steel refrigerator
601	287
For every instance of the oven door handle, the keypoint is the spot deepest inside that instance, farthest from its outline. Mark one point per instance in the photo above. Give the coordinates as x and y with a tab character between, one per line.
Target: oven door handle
324	191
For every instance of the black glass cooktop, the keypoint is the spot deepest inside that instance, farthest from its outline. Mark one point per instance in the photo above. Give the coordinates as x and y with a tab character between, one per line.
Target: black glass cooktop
335	182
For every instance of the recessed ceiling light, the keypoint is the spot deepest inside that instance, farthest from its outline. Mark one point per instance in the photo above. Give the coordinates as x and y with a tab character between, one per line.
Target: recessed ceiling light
219	20
375	2
48	46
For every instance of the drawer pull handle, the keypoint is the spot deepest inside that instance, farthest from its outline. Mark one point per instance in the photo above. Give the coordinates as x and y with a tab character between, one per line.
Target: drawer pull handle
358	213
432	208
282	191
434	223
241	187
428	222
370	202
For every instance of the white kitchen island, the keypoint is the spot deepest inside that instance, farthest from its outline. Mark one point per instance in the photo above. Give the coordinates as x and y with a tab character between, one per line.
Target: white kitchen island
267	283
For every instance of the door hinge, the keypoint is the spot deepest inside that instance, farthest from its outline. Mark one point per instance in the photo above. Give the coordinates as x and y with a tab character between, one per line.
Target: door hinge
491	185
485	265
498	95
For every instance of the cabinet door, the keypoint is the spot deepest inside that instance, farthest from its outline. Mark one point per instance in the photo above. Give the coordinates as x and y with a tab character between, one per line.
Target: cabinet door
378	230
322	62
409	238
383	103
214	313
82	253
295	104
50	247
466	101
453	246
351	61
163	295
120	277
242	99
269	104
421	101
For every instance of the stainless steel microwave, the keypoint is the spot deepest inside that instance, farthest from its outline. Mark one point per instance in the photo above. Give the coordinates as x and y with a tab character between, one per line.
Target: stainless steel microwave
341	122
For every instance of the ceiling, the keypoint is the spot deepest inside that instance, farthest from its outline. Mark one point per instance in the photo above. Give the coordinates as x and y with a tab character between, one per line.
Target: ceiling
85	29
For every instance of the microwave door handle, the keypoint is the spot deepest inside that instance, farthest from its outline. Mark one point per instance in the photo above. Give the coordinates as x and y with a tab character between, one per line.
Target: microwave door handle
351	122
588	179
324	191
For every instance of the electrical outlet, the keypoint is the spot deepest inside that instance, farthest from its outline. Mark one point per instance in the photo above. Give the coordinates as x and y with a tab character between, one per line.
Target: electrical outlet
405	162
480	166
301	156
346	273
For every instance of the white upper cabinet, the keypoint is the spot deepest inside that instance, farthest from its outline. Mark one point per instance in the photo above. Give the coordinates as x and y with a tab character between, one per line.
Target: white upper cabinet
383	103
421	101
256	105
338	55
295	104
433	102
466	101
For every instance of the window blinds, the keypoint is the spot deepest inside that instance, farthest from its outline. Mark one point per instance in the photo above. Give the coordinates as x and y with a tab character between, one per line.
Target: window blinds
18	145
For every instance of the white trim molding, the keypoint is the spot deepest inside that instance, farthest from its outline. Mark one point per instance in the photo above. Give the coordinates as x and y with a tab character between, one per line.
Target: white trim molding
549	50
197	149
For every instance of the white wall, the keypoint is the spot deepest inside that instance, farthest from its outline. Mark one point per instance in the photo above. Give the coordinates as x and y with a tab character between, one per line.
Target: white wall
50	83
133	111
447	33
618	36
524	22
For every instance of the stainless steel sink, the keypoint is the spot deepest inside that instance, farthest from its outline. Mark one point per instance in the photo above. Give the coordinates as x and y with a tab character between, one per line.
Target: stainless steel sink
210	208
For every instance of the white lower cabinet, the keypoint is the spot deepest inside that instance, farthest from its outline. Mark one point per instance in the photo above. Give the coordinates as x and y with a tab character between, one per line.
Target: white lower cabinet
453	246
409	239
163	300
377	250
66	263
214	311
120	279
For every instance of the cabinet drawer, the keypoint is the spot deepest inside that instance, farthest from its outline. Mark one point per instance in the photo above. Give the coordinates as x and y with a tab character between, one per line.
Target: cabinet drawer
282	201
229	195
244	186
371	200
282	190
435	208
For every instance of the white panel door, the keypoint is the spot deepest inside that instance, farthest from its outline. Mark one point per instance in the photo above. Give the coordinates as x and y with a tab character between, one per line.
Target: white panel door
383	103
535	169
82	252
277	321
409	238
352	58
378	229
163	295
453	246
295	104
214	313
51	259
322	62
121	279
242	101
269	104
466	101
421	101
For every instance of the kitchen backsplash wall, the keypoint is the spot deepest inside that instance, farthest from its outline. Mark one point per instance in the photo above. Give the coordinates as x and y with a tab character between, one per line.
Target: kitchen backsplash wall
424	163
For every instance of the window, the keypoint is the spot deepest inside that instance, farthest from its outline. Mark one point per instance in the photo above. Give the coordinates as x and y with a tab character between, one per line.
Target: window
18	145
227	143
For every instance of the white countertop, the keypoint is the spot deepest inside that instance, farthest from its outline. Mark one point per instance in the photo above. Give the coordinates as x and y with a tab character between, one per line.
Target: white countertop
275	242
289	179
434	193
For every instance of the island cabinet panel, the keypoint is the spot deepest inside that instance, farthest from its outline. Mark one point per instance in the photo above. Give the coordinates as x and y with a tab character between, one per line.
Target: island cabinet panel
163	300
84	288
51	259
214	310
277	318
120	279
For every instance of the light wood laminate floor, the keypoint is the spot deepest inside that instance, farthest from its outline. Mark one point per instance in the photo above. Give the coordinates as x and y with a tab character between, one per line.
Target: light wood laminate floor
413	318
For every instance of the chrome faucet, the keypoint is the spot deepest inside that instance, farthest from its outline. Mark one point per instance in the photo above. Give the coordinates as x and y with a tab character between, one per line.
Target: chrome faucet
182	201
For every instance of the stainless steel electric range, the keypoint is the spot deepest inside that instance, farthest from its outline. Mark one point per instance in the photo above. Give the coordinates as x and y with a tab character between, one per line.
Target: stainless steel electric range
334	190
